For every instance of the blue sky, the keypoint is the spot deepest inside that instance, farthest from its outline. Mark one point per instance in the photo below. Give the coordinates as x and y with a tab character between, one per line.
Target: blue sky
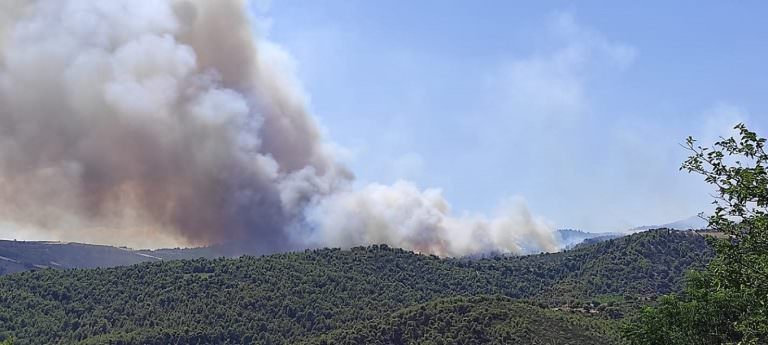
577	107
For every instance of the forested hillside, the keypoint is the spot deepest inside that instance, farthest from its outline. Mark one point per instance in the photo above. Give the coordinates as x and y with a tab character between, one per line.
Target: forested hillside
288	298
475	320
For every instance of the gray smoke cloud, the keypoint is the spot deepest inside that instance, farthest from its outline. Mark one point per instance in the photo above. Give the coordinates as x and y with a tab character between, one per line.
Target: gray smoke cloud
156	123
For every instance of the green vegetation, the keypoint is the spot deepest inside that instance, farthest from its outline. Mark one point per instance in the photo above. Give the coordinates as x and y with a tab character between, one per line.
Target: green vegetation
477	320
293	297
728	302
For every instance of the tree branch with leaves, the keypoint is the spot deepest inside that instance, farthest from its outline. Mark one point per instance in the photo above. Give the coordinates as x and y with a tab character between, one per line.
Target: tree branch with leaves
728	302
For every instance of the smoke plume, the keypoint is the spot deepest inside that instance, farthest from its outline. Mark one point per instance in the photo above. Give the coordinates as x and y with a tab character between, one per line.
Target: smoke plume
155	123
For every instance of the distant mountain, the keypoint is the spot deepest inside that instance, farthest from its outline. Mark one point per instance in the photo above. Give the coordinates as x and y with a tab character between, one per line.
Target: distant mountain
19	256
569	238
690	223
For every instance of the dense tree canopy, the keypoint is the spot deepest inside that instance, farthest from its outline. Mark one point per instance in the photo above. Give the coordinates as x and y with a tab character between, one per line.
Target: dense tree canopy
293	297
476	320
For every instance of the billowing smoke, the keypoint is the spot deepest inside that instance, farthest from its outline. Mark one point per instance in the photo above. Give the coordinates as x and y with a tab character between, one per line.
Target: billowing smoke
154	123
404	216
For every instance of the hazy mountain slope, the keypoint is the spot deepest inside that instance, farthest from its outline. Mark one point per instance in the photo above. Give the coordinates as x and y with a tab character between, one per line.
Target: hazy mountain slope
569	238
285	298
22	256
19	256
690	223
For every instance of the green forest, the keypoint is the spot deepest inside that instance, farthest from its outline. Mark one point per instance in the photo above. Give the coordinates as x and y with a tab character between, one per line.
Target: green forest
373	294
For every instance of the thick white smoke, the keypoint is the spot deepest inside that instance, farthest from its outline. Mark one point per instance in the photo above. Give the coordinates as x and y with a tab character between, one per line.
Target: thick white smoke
152	123
404	216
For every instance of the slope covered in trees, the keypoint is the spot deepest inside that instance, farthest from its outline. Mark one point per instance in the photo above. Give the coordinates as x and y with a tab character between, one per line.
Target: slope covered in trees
475	320
287	298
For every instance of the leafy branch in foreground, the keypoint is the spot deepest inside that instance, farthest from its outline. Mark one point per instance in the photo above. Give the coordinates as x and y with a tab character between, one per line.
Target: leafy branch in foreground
728	302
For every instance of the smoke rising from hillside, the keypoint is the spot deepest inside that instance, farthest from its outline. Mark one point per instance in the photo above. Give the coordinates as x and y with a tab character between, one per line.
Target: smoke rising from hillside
153	123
